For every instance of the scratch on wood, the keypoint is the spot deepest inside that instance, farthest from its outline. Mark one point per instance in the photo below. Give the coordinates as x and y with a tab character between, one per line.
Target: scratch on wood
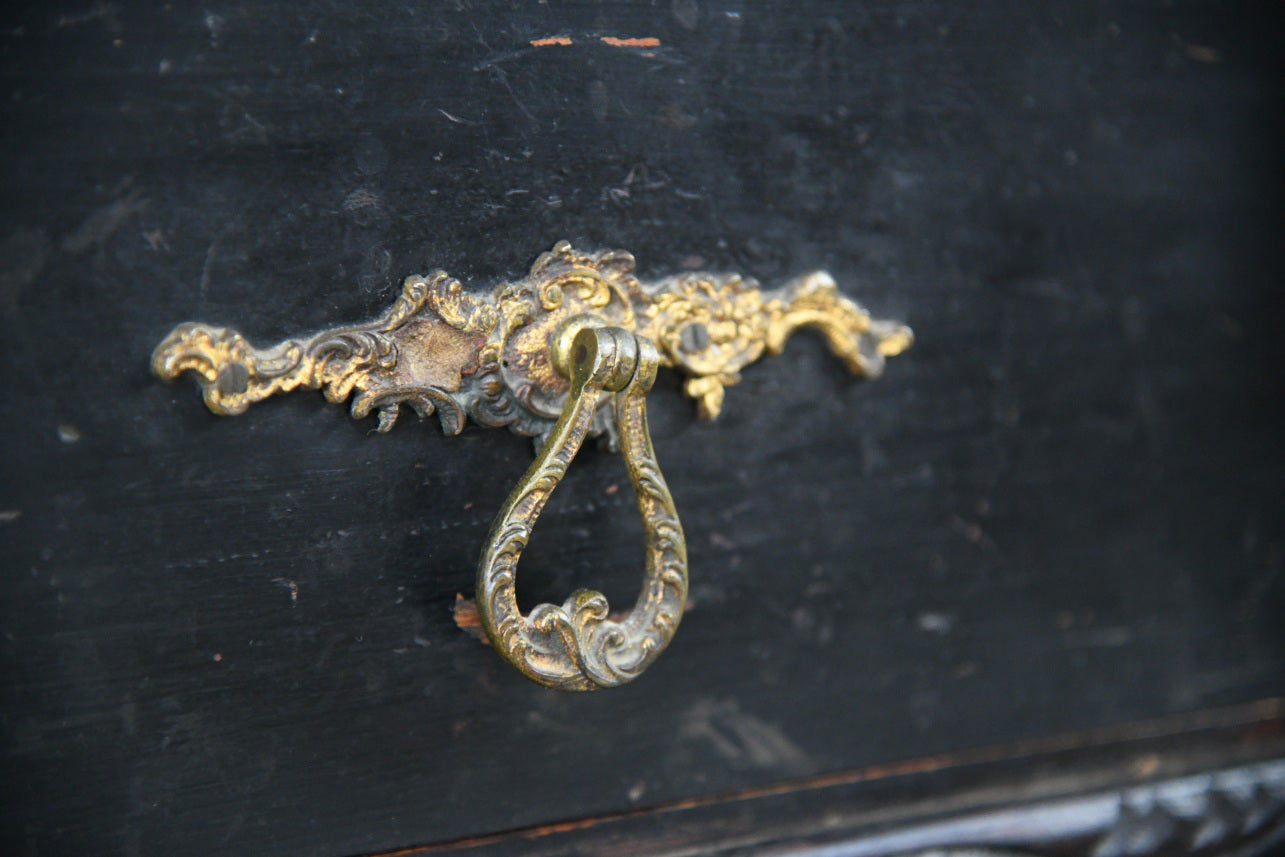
205	268
22	258
504	80
457	120
102	10
741	738
103	223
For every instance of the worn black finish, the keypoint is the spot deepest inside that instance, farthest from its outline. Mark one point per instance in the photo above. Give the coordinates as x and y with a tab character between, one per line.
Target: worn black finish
1174	792
1061	510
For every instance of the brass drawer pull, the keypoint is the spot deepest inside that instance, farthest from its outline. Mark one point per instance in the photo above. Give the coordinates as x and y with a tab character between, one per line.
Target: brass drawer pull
567	352
577	646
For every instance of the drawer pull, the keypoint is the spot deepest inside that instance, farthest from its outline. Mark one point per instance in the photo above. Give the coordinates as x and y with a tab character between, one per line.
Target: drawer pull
578	646
566	353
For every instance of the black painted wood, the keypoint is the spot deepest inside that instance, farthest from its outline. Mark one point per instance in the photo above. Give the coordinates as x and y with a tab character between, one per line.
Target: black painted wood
1176	791
1061	510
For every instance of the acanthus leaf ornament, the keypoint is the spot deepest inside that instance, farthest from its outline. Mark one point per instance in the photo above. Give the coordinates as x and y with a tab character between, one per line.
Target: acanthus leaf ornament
566	353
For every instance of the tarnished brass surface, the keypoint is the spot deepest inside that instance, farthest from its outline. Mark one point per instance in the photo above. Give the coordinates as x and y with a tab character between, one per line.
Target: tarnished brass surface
577	646
442	349
565	353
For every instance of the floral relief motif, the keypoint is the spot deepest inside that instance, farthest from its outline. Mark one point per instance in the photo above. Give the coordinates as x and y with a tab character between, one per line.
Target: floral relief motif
440	349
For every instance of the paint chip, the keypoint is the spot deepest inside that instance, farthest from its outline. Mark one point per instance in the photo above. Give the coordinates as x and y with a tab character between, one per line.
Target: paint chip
631	43
551	40
467	618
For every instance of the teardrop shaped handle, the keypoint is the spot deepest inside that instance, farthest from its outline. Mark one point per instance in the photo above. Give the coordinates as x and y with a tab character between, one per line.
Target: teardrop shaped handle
579	645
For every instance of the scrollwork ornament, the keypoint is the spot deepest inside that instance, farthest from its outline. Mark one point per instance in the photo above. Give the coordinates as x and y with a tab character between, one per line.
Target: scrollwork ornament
564	354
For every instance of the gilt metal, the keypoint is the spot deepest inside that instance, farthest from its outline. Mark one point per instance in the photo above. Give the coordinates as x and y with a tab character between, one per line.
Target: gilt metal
566	353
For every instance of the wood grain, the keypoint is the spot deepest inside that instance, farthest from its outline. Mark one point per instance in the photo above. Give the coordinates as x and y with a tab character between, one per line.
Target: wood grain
1060	511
